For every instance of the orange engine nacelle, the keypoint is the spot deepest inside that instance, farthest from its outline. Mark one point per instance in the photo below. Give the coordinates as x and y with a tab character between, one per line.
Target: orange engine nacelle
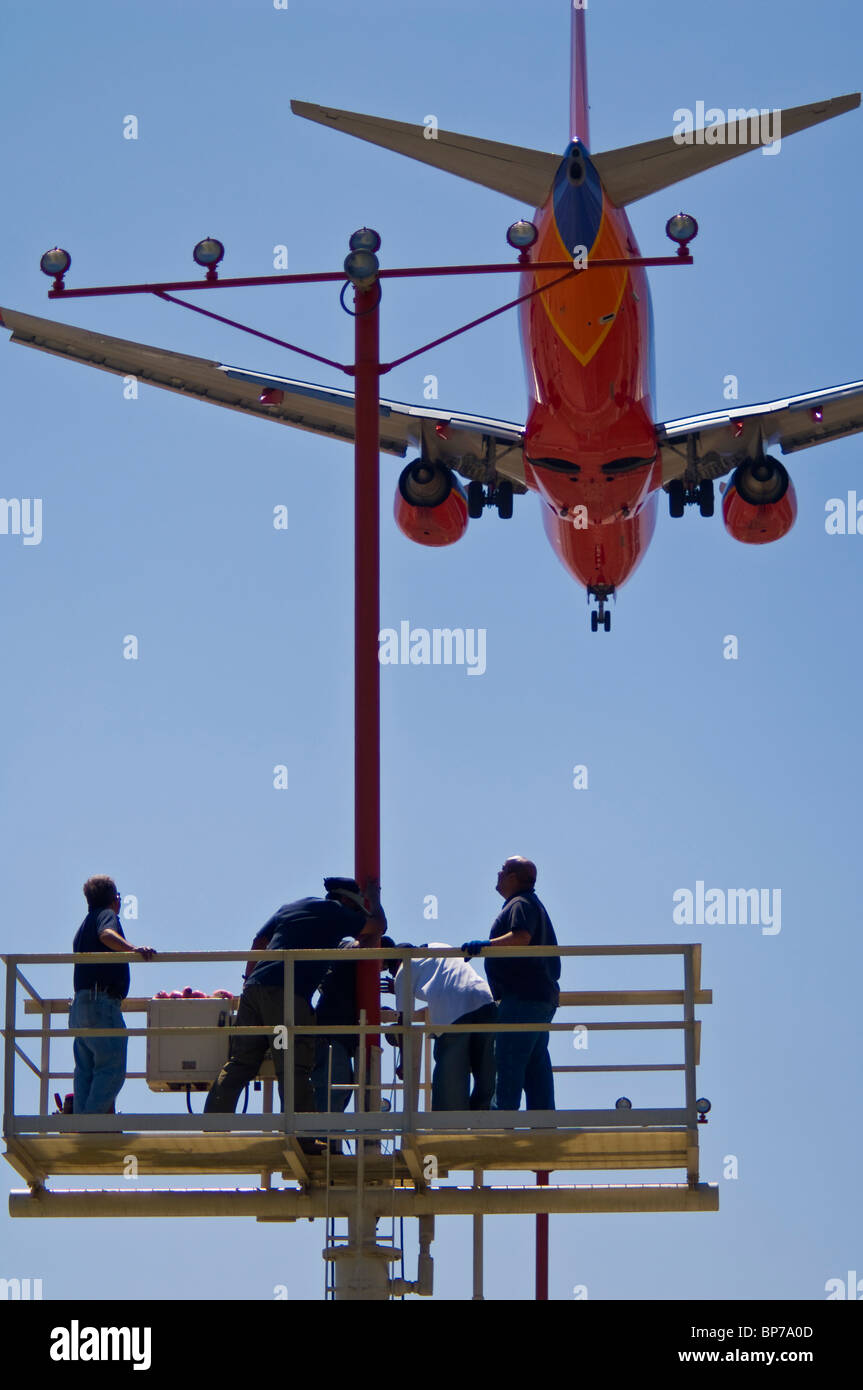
759	504
431	505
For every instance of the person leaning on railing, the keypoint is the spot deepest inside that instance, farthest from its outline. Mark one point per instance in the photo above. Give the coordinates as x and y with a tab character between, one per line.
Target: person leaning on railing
463	1076
100	1063
526	990
307	924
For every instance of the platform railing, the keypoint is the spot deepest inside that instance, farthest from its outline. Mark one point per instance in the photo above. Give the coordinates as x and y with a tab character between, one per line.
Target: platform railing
367	1119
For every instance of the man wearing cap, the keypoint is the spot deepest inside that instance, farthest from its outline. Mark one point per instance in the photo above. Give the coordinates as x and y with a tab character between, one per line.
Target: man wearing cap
310	923
100	1063
526	990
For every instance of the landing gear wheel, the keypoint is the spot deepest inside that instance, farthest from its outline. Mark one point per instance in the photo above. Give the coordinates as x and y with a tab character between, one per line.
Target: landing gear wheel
705	497
676	497
475	500
606	621
503	498
594	622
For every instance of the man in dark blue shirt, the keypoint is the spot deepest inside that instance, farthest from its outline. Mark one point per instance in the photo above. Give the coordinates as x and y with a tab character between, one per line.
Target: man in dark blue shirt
310	923
526	990
100	1063
335	1055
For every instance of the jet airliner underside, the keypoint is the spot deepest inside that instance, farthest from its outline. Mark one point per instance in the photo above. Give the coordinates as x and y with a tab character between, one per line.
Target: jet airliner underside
590	446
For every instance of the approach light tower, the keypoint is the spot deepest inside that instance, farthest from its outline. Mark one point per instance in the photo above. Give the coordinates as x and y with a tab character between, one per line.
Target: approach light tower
425	1146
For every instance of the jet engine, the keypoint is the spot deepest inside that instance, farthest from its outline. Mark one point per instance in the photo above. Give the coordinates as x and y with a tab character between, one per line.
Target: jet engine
759	504
431	505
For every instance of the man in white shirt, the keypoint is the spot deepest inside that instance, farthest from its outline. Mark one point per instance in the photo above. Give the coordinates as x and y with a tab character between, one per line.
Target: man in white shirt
455	993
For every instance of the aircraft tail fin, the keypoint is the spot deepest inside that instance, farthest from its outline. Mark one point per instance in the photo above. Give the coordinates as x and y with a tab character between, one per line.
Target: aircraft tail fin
636	171
579	111
520	173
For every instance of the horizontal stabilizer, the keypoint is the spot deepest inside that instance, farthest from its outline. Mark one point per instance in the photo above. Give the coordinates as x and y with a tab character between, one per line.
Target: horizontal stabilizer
638	170
526	175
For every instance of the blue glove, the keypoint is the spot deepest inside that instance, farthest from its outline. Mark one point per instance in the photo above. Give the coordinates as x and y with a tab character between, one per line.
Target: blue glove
473	948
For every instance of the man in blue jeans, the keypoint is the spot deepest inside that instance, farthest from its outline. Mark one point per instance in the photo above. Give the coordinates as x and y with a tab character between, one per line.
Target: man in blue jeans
526	990
463	1076
100	1063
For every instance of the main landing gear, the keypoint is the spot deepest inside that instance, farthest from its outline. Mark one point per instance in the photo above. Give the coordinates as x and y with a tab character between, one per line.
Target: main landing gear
480	496
600	617
680	496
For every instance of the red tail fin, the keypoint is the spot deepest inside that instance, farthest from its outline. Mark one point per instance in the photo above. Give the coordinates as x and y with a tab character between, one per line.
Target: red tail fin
579	112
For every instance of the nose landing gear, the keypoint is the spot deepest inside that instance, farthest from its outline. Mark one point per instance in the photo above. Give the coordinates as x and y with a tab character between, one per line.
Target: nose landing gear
600	616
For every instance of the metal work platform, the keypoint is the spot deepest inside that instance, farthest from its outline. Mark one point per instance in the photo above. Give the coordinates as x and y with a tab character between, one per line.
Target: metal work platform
406	1157
460	1147
400	1148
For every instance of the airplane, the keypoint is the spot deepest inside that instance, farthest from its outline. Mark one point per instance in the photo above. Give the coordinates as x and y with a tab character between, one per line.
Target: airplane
590	447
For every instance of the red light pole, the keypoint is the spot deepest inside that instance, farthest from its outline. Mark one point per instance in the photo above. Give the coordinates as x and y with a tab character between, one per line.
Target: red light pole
367	732
542	1246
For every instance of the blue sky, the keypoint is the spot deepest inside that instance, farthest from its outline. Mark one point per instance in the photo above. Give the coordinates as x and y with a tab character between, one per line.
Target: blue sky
157	521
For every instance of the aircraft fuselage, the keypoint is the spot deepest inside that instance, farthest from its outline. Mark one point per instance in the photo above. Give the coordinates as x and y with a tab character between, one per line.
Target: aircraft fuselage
590	439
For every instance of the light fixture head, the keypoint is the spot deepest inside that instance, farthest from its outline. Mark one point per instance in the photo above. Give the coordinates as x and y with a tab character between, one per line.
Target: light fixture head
681	228
703	1106
522	234
55	262
208	252
365	240
361	268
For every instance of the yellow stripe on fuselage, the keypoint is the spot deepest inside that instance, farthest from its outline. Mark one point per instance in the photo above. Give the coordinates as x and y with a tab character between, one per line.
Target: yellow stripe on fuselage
580	303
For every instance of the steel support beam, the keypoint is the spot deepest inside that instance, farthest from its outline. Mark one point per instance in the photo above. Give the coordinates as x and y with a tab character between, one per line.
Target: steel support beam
291	1205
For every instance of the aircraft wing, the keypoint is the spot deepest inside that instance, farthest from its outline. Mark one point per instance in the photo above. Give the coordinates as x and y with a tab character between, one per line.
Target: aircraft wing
707	446
472	445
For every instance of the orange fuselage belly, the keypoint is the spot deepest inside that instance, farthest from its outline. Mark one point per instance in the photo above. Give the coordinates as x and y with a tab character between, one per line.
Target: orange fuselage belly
590	440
